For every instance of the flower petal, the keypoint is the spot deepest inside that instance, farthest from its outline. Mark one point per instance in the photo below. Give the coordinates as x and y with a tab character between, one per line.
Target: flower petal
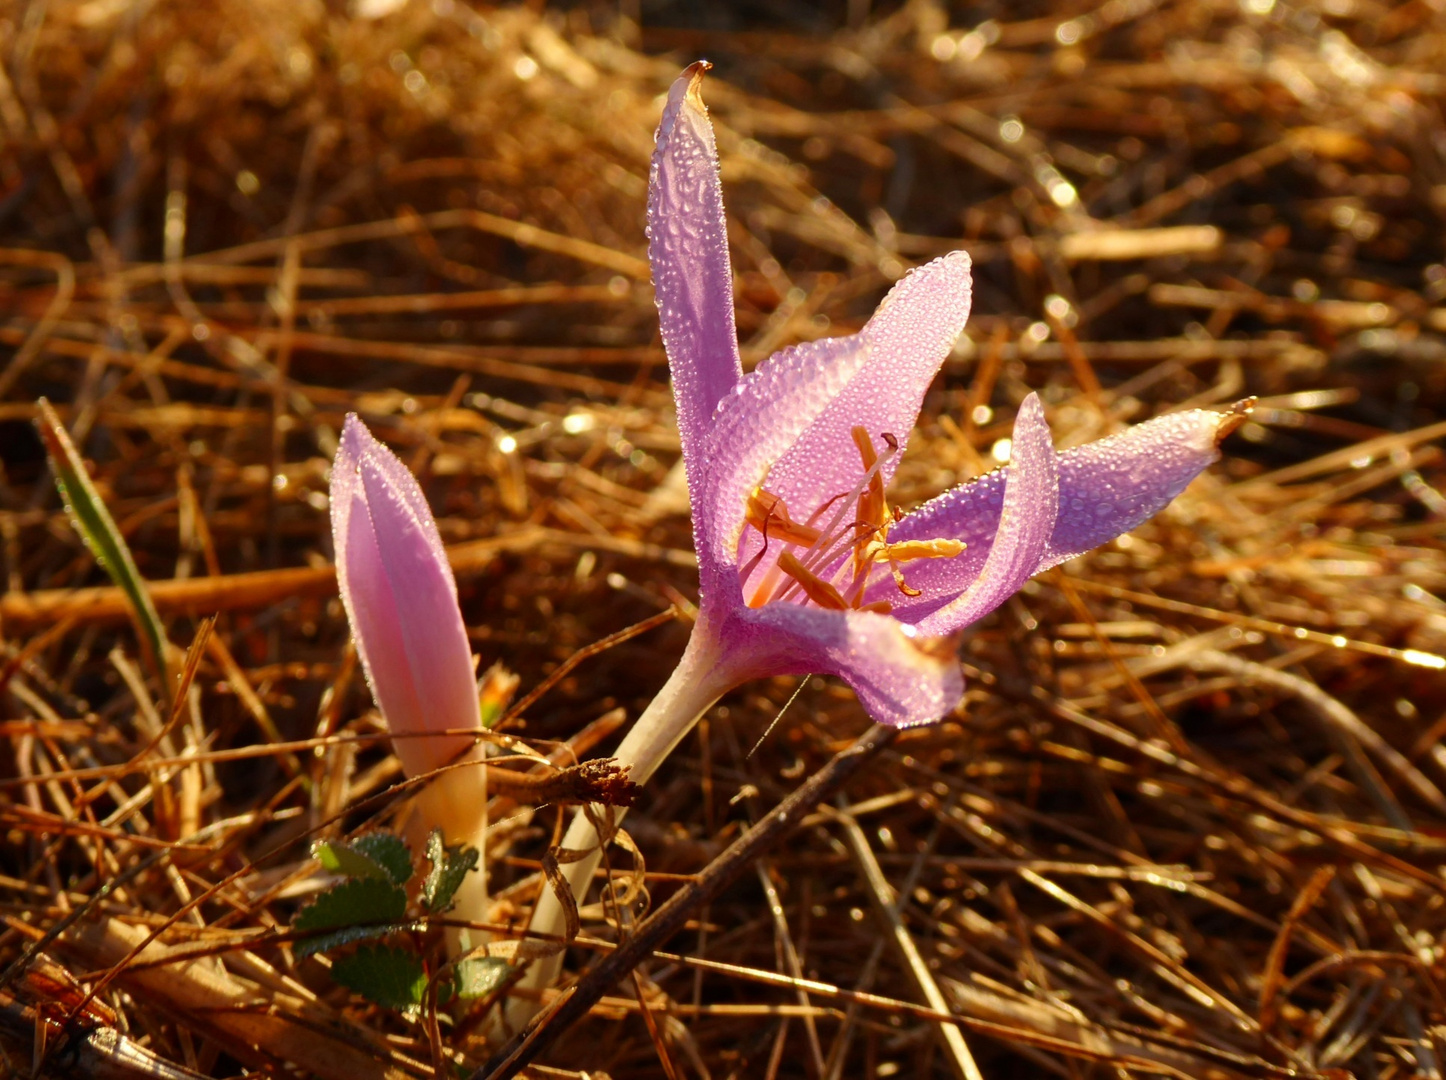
901	677
904	344
1106	488
1027	518
759	421
692	276
371	609
358	443
1110	486
401	600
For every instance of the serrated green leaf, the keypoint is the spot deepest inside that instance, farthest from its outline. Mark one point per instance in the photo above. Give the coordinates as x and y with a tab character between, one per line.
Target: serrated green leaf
479	976
98	529
361	900
378	855
386	975
347	935
367	906
388	851
340	859
449	866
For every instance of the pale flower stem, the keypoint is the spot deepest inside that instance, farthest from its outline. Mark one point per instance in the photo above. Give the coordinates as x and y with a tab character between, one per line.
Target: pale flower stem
456	803
690	691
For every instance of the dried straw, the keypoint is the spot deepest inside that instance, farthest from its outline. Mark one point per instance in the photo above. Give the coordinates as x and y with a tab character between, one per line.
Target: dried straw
1189	820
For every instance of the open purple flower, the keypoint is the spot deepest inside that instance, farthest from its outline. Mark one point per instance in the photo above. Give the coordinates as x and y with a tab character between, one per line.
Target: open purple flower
803	568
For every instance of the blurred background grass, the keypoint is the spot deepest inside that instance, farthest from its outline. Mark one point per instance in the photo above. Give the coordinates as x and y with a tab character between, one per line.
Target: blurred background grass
225	226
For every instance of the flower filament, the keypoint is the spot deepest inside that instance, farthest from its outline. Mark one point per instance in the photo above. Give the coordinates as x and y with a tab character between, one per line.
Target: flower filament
836	563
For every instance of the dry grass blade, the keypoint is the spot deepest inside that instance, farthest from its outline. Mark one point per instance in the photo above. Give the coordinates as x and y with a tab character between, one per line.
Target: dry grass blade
1189	818
255	1024
668	919
885	907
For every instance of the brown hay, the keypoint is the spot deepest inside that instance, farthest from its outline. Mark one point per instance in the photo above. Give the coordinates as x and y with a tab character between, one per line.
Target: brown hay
1190	822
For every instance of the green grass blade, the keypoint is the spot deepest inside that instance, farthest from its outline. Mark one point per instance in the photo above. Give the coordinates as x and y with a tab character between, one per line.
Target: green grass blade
99	531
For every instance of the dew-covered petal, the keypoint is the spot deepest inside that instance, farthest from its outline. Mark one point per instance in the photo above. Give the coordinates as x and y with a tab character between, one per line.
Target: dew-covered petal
1110	486
969	513
371	608
692	275
357	443
1106	488
905	342
401	601
901	677
1025	523
759	422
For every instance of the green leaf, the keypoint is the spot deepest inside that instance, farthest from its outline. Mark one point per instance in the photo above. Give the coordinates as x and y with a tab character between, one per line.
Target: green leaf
378	855
449	866
388	851
491	712
361	900
99	531
478	977
336	939
359	908
385	974
340	859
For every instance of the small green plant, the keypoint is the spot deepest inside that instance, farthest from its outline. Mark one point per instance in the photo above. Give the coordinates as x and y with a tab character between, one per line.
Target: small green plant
375	935
102	536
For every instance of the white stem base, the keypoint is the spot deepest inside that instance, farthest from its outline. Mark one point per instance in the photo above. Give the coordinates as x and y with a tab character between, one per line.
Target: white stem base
456	803
690	691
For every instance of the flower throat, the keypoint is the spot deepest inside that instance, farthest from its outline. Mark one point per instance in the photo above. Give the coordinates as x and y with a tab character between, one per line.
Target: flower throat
838	561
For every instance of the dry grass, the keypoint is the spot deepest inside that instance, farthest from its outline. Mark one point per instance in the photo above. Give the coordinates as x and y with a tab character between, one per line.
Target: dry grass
1190	821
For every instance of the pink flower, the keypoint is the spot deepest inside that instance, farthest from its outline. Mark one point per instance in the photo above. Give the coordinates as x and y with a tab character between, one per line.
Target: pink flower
401	600
803	567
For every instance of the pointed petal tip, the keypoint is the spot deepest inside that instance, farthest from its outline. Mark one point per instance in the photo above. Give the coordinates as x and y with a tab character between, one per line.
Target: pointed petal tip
354	438
1232	420
687	88
958	258
694	73
1031	427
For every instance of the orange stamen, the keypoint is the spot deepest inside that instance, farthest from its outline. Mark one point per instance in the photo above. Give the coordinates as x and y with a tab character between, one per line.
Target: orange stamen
815	588
769	514
871	500
904	587
868	536
909	550
904	551
871	511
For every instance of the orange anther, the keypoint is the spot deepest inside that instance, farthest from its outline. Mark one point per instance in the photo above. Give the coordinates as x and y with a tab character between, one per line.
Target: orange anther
871	501
814	587
769	515
909	550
